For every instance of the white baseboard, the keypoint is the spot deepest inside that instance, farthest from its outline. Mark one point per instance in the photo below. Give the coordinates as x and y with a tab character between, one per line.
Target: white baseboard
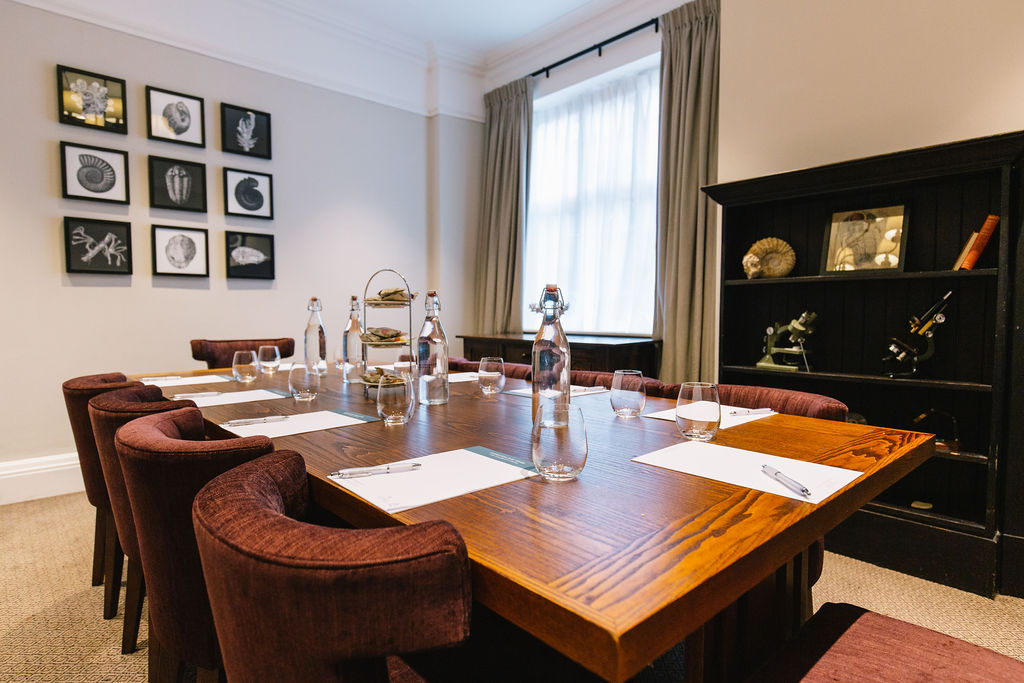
42	477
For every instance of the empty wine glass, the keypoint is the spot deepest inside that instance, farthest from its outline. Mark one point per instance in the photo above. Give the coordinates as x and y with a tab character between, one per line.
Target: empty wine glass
491	375
270	359
628	396
698	411
304	381
559	441
396	400
244	366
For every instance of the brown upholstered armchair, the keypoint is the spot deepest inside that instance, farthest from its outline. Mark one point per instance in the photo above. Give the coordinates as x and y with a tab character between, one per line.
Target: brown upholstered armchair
166	458
107	559
218	353
108	412
514	370
294	601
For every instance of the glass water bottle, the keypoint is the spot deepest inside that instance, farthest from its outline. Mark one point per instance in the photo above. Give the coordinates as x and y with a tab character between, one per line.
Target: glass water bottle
316	340
550	351
432	355
349	358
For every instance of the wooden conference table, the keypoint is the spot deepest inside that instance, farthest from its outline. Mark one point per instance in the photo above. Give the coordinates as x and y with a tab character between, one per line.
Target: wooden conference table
616	567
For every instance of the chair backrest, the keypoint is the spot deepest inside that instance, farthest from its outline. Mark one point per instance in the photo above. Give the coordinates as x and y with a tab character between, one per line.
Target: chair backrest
77	393
786	401
218	353
108	412
300	602
166	458
514	370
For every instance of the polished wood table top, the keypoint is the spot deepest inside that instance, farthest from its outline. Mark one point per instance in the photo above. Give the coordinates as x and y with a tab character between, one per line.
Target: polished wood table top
616	567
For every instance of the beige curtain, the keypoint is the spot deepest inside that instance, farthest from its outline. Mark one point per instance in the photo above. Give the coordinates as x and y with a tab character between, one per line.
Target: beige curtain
686	282
509	120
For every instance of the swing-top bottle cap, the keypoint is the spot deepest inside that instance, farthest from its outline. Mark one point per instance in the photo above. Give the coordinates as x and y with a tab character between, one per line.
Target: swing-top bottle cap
551	287
431	292
314	304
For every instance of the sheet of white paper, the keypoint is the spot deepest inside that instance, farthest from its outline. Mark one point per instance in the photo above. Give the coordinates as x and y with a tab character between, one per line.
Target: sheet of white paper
462	377
288	365
442	476
237	397
574	390
188	381
743	468
728	419
298	424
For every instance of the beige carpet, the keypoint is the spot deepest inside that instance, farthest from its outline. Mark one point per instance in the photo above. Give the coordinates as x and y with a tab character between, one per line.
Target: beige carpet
51	627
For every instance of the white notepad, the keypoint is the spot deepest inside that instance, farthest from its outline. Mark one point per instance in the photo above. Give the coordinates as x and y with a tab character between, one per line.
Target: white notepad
303	422
236	397
743	468
728	418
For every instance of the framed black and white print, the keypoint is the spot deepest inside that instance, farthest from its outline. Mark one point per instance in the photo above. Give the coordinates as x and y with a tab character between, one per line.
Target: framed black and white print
177	184
175	117
249	255
180	251
95	173
97	246
247	193
244	131
92	100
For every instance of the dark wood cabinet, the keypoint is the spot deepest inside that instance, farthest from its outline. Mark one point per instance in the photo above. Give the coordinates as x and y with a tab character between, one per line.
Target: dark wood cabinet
587	352
948	520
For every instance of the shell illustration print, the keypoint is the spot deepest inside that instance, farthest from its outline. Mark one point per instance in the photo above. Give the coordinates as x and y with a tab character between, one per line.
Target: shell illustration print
180	251
179	184
245	256
95	174
247	194
178	117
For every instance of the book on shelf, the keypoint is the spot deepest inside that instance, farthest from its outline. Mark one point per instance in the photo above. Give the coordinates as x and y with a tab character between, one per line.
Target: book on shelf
965	250
979	243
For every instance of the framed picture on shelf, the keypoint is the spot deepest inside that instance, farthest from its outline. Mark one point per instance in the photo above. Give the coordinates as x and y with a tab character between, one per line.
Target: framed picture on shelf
91	100
247	193
177	184
94	173
180	251
249	255
244	131
175	117
97	246
865	239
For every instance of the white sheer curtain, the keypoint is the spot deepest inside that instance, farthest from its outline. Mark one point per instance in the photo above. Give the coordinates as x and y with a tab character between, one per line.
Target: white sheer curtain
591	222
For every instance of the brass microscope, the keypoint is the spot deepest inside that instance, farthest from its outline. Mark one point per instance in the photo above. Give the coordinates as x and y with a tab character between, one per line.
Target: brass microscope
904	356
790	357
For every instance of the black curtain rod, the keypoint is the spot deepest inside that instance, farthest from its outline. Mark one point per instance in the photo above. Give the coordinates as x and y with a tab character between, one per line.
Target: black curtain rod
598	46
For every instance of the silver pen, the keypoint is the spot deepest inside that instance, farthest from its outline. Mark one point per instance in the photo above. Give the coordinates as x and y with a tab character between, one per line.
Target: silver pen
791	484
253	420
751	411
198	394
353	472
158	378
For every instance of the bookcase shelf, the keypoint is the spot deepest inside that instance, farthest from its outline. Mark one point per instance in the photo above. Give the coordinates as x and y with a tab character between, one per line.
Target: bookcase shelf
952	533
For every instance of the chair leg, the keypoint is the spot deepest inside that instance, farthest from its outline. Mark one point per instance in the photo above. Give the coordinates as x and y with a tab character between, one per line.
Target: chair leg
98	543
163	666
113	568
135	591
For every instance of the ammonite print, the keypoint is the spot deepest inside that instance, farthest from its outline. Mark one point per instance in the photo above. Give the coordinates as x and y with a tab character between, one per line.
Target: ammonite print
248	193
175	117
178	117
94	173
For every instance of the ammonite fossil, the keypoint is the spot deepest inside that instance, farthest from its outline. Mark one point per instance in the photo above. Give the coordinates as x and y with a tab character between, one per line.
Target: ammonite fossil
179	184
178	117
248	196
770	257
244	256
180	251
95	174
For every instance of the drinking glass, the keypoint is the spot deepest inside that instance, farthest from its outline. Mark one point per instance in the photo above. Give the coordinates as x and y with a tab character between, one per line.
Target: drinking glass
559	441
304	381
244	366
698	411
491	375
396	401
628	395
270	359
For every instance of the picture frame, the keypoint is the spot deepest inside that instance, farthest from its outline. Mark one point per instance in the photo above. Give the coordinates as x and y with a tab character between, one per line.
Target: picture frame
244	131
93	173
181	252
248	193
91	100
97	246
175	117
249	255
177	184
860	240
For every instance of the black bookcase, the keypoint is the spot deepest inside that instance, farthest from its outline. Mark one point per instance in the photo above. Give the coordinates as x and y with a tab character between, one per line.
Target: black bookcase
945	520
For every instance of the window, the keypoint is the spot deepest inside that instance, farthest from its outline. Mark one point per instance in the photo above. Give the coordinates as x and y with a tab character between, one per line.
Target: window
591	219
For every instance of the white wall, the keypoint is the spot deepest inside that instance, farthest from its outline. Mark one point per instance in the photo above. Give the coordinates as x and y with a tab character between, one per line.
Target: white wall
350	196
811	82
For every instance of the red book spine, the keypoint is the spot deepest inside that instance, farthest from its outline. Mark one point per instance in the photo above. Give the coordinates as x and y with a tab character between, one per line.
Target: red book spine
979	244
